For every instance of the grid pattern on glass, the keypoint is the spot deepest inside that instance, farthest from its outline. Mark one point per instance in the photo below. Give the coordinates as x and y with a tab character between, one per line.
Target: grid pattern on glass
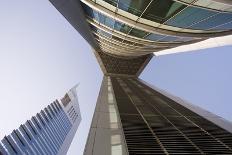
169	10
189	16
129	31
135	7
178	130
43	134
160	10
209	4
214	21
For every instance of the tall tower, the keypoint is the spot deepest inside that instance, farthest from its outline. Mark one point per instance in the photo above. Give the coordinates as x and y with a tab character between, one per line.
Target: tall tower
49	132
132	117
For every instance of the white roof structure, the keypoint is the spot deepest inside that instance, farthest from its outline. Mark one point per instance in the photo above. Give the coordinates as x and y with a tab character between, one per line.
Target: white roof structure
209	43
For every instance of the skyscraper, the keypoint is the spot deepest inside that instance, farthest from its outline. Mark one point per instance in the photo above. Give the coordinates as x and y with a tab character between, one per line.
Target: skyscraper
131	117
49	132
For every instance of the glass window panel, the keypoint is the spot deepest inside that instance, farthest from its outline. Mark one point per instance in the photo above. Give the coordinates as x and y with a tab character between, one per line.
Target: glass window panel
106	20
210	4
185	39
154	37
112	2
109	22
227	26
90	12
203	3
121	27
169	38
135	7
104	33
214	21
189	16
93	28
138	33
160	10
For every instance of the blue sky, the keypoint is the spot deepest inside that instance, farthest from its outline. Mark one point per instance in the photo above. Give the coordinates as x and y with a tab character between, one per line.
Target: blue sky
42	57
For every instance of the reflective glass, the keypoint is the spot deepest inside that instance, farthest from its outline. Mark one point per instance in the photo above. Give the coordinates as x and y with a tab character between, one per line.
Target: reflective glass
185	39
121	27
189	16
169	38
135	7
104	33
112	2
160	10
154	37
106	20
90	12
213	21
93	28
227	26
138	33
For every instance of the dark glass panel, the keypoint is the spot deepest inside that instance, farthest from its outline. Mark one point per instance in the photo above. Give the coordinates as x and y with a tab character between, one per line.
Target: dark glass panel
154	37
106	20
135	7
138	33
93	28
189	16
90	12
227	26
160	10
213	21
121	27
112	2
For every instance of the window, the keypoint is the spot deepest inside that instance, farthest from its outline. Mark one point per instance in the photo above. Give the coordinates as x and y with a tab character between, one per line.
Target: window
154	37
65	100
138	33
169	38
213	21
106	20
135	7
90	12
112	2
160	10
121	27
227	26
189	16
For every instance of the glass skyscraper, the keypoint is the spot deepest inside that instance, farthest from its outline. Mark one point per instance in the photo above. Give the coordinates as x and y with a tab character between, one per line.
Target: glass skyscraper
132	117
49	132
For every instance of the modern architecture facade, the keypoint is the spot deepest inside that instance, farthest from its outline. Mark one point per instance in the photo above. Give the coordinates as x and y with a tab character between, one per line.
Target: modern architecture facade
49	132
132	117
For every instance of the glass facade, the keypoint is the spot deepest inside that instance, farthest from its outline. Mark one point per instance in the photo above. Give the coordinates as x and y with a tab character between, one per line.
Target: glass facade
154	124
43	134
166	23
135	7
160	10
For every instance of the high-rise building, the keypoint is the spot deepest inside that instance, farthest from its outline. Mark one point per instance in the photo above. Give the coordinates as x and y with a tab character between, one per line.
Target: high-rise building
49	132
131	117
